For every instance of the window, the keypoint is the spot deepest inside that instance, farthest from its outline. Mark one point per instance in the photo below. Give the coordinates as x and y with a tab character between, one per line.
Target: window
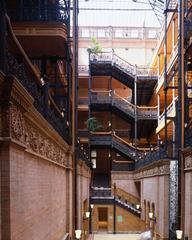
119	33
152	34
85	33
101	33
134	34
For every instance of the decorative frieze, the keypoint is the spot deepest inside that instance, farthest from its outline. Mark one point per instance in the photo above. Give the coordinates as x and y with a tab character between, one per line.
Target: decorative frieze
155	171
188	162
24	132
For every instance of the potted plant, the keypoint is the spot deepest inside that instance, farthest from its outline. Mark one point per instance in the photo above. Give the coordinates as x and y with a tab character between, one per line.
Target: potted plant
92	124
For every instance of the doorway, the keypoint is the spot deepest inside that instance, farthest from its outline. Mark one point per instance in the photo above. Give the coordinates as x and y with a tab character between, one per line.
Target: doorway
102	219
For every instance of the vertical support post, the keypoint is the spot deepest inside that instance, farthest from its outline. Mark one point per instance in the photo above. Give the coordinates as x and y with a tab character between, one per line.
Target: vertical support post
67	103
2	36
135	103
74	111
181	111
90	219
114	210
165	72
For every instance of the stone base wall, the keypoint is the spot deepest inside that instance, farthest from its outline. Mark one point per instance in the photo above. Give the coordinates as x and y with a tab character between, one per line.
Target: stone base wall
154	193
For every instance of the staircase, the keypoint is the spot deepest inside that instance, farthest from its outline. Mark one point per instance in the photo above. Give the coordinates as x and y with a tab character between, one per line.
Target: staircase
107	99
109	64
104	196
110	139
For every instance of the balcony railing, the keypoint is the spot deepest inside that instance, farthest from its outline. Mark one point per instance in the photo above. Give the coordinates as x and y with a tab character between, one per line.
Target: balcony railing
171	112
83	70
24	71
58	11
115	60
111	97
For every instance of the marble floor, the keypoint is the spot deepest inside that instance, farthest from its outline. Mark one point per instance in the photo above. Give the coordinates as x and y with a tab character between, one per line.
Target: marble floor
116	236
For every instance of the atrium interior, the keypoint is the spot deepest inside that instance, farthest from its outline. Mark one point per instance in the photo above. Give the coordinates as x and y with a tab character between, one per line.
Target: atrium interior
95	119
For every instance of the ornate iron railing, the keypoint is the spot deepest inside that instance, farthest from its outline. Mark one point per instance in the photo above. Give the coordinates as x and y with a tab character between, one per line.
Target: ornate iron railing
42	101
141	156
57	11
110	97
115	60
83	70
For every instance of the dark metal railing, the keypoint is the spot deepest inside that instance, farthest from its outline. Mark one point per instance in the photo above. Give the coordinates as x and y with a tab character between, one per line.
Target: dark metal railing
125	66
58	11
110	97
150	157
101	192
21	70
142	156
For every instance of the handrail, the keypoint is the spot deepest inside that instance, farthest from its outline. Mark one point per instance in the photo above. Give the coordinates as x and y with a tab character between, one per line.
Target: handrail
101	91
111	55
22	51
101	133
66	237
145	107
130	145
169	108
54	104
124	99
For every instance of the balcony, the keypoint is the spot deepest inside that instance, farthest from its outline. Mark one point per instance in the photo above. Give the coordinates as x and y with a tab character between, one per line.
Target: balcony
110	64
171	62
106	99
39	27
23	70
171	113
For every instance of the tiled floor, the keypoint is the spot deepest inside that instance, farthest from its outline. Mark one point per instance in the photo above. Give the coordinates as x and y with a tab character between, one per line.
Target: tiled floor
116	236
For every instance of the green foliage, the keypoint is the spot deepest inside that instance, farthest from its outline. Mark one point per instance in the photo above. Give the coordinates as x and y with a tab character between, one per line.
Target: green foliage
92	124
95	46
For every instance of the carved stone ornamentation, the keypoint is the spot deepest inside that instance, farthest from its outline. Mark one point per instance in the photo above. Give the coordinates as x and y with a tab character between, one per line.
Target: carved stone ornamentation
26	133
17	124
188	162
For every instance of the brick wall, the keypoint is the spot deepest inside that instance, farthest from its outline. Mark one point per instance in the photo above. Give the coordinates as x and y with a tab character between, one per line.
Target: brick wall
36	173
38	197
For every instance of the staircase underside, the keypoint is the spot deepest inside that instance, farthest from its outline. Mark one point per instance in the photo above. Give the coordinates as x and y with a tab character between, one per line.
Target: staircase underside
145	84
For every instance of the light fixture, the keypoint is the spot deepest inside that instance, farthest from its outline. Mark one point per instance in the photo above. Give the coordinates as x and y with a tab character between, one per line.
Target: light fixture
93	161
109	155
78	234
92	206
179	234
87	214
137	206
151	215
93	153
109	124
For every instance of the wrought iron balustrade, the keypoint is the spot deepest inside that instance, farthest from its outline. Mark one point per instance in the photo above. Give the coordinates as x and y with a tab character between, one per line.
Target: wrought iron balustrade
101	192
115	60
42	102
142	156
104	195
83	70
150	157
112	140
188	137
110	97
171	111
83	133
57	11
